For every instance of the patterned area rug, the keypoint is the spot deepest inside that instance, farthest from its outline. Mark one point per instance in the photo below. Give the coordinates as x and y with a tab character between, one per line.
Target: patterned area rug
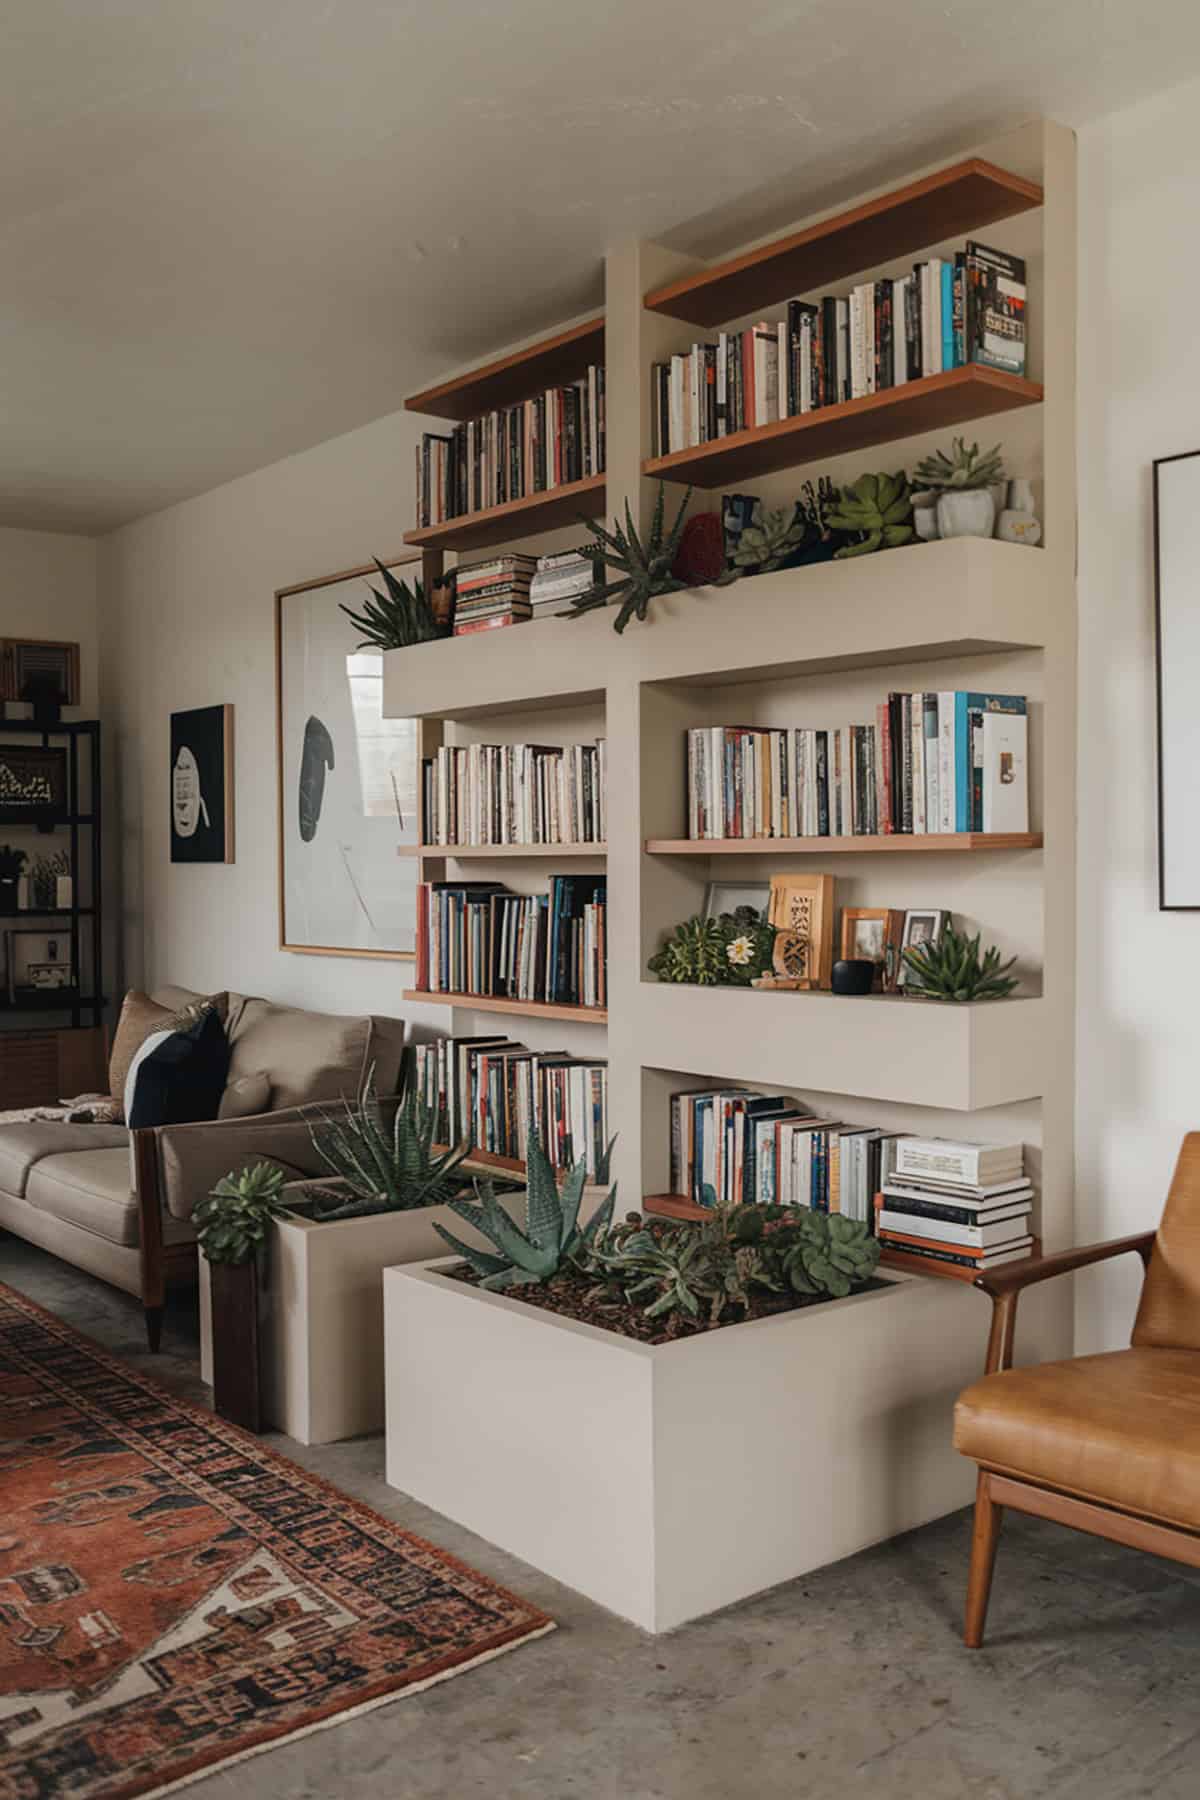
174	1597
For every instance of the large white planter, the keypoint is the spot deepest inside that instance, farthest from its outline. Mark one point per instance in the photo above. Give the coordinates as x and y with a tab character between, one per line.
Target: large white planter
665	1481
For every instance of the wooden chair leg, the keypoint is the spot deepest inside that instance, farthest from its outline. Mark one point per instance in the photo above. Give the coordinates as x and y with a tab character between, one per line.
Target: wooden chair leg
154	1325
988	1517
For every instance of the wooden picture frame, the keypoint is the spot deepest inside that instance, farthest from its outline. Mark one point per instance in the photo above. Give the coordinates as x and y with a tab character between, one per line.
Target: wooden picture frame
803	904
202	785
872	934
922	925
25	663
401	839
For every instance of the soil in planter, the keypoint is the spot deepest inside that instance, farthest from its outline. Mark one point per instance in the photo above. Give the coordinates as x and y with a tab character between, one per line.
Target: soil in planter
574	1297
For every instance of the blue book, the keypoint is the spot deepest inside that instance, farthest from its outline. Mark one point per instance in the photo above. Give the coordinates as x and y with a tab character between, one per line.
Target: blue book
964	761
947	315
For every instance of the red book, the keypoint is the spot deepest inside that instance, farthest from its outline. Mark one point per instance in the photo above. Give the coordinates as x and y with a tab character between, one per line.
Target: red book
887	815
507	618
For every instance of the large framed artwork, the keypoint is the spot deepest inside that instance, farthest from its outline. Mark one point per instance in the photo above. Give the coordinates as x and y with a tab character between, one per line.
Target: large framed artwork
347	781
1177	619
202	785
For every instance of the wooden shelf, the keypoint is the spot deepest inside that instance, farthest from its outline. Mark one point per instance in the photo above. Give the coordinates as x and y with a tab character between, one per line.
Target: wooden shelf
674	1206
846	846
536	512
948	204
551	362
932	404
531	1009
458	852
925	1265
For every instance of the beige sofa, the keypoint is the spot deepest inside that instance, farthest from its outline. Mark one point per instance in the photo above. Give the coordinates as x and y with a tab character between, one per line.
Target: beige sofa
119	1203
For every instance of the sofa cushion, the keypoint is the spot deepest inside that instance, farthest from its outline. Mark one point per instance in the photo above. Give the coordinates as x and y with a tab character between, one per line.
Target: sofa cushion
308	1055
90	1188
1121	1428
22	1146
245	1097
142	1014
178	1075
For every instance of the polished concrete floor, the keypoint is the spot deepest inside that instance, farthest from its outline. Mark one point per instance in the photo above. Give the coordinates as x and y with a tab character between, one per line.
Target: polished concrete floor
849	1682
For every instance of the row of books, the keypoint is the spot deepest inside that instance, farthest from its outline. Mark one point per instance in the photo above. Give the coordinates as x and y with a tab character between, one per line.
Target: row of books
882	334
545	442
515	794
487	1091
493	591
964	1205
930	763
731	1146
477	937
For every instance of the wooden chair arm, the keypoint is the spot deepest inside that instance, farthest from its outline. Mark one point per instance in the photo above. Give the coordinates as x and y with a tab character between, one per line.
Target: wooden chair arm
1005	1285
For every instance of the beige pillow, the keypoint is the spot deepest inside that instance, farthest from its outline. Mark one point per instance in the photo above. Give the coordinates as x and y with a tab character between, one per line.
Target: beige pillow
246	1096
140	1015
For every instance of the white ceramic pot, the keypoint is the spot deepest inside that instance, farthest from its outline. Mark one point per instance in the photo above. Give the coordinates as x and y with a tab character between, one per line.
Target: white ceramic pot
967	512
925	516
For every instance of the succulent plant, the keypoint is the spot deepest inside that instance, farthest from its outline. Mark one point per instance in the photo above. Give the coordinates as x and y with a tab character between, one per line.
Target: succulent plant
694	952
879	507
962	469
399	616
644	570
380	1167
769	539
953	969
231	1222
552	1235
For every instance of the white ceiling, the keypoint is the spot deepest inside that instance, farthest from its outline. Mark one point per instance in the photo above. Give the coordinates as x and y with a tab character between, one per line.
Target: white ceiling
231	229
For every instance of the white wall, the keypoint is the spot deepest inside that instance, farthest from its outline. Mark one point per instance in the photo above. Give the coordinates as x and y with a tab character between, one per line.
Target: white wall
48	589
1139	969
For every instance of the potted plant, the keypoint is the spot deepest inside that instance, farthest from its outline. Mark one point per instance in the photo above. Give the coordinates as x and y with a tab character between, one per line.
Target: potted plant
231	1226
951	967
962	483
11	863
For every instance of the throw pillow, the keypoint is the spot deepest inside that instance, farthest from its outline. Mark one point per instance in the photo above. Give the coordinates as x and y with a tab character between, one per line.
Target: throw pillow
177	1075
246	1096
140	1015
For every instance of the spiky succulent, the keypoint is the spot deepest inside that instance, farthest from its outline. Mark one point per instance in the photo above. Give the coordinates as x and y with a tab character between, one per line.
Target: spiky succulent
552	1234
231	1222
695	952
770	538
879	508
400	616
961	470
380	1167
643	570
953	969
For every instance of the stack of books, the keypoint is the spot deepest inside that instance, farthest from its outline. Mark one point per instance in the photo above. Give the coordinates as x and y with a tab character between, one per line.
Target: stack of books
930	763
559	579
515	794
732	1146
882	334
966	1206
541	443
476	937
492	592
487	1091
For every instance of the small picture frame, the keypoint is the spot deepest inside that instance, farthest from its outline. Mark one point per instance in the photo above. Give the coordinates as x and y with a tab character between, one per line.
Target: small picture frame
801	907
727	896
39	962
872	934
922	925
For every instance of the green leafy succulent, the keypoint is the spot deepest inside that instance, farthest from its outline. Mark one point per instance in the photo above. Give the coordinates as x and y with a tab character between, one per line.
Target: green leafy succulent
953	969
694	952
231	1222
381	1167
962	469
551	1236
398	617
770	538
644	571
879	508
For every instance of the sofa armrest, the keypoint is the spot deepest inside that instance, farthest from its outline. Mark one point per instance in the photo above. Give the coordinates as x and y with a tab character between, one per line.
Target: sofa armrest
1006	1285
182	1163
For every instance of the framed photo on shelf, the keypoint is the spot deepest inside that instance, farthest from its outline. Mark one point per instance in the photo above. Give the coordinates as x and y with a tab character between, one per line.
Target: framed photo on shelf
348	779
727	896
38	962
925	925
1177	647
33	784
202	785
801	910
872	934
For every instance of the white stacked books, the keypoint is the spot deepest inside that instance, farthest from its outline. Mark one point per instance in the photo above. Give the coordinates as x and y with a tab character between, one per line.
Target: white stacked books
968	1205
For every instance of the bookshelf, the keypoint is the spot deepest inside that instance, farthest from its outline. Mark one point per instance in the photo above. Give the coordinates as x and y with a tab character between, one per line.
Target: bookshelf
813	645
516	518
529	1009
543	362
527	852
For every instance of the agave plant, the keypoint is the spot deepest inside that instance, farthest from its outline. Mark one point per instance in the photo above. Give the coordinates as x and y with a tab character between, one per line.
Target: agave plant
953	969
963	469
231	1222
879	509
769	539
551	1236
400	616
644	571
380	1167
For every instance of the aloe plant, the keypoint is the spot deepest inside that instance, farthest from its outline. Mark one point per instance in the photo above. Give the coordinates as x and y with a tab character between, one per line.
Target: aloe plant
398	617
382	1168
952	968
551	1235
643	570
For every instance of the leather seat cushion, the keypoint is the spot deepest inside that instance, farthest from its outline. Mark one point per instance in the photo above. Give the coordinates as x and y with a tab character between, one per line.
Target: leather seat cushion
91	1189
1121	1428
23	1146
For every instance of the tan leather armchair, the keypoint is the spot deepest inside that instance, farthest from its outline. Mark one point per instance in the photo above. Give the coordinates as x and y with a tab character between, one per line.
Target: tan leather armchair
1109	1444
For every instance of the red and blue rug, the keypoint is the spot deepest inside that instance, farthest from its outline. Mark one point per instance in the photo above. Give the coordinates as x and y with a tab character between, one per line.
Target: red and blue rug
175	1598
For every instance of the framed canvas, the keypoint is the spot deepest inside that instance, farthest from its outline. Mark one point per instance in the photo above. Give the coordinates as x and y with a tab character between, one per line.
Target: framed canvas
1177	644
872	934
726	896
33	784
348	780
802	908
202	785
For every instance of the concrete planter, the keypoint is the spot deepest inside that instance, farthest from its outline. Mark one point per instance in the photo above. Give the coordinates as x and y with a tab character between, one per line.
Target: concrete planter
667	1481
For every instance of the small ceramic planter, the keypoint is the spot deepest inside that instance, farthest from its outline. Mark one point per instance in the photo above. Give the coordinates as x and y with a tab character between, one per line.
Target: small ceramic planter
966	512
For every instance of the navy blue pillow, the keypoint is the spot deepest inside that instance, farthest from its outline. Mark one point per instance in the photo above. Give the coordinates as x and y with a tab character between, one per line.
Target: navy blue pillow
178	1074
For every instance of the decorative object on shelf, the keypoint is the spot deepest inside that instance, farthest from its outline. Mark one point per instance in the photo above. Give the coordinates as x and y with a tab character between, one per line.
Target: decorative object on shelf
1177	657
33	785
381	1168
1017	524
202	785
231	1227
694	953
42	674
700	559
952	968
921	926
770	540
398	617
749	945
878	509
38	963
801	911
925	524
853	975
348	781
552	1235
818	502
873	934
12	862
962	482
727	896
644	569
46	876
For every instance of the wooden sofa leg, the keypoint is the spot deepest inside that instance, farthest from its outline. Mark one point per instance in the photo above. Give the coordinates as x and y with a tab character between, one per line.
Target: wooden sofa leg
154	1325
983	1559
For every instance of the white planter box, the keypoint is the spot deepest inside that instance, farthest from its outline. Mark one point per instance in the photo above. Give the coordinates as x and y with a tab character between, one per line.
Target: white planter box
664	1481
